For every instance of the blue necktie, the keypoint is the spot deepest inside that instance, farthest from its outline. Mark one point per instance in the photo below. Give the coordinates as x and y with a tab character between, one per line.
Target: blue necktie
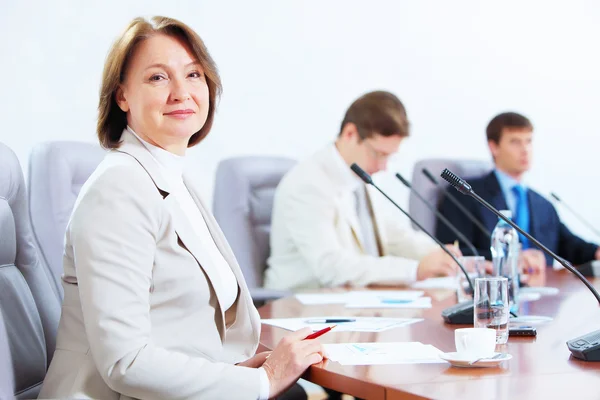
522	215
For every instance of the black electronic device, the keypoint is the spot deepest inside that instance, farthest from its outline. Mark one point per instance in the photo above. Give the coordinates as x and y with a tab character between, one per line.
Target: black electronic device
451	315
522	331
460	313
586	347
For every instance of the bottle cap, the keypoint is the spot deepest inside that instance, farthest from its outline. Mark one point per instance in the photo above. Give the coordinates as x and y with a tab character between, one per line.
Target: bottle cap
506	213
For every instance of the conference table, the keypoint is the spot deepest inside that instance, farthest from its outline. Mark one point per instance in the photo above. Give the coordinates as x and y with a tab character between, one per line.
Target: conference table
541	366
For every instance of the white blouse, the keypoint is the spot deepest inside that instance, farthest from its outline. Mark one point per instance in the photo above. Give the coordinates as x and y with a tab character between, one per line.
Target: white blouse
172	169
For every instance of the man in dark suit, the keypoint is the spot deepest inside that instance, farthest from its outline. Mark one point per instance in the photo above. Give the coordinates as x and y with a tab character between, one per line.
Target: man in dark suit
509	138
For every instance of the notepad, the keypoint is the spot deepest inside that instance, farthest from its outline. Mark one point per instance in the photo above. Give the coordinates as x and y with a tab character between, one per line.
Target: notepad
383	353
356	295
391	302
360	324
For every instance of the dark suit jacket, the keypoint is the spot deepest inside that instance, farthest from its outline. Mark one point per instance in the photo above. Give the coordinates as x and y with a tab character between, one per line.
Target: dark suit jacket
544	222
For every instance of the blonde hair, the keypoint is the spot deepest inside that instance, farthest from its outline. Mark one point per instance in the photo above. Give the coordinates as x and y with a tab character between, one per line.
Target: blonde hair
111	119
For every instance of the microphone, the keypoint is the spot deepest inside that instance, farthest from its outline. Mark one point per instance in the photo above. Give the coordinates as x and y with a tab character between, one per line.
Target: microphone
586	347
458	205
578	216
431	208
461	313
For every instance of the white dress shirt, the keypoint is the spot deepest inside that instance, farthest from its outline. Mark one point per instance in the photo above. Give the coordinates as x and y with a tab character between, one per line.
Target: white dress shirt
172	169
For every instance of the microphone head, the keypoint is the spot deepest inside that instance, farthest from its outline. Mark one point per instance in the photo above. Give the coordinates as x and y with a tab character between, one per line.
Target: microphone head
404	181
555	196
429	175
457	182
361	174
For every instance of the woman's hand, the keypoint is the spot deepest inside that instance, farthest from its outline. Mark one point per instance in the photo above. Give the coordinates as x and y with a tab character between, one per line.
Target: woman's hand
292	356
255	361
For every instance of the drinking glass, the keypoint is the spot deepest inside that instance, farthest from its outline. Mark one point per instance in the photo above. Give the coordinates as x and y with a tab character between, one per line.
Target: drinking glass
491	306
475	268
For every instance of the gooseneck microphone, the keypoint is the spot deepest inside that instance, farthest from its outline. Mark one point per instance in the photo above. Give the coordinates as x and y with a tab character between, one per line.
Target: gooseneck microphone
461	313
586	347
577	215
366	178
458	205
431	208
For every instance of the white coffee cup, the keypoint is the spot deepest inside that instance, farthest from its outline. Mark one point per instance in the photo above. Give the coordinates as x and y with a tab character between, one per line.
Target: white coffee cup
475	342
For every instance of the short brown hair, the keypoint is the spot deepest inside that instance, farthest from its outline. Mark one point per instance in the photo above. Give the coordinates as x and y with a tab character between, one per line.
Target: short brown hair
507	120
379	113
111	119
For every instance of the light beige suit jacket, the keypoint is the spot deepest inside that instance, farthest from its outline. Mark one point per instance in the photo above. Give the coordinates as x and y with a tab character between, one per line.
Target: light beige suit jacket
315	233
141	316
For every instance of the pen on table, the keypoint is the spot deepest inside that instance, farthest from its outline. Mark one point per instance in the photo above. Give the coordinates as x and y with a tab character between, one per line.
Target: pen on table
329	320
319	333
395	301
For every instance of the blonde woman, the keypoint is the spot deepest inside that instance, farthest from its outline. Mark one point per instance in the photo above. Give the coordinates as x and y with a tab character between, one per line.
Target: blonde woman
155	304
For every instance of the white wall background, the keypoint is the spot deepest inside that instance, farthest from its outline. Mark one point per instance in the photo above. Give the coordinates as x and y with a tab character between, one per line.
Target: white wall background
290	68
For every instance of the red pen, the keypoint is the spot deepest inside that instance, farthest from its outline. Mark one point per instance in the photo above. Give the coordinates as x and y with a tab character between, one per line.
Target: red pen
319	333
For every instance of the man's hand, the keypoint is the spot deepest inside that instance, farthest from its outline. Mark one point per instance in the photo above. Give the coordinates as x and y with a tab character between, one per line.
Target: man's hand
597	256
438	263
532	261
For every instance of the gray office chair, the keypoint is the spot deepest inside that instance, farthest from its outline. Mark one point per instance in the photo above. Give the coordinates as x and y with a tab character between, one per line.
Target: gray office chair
242	205
57	171
7	379
30	307
463	168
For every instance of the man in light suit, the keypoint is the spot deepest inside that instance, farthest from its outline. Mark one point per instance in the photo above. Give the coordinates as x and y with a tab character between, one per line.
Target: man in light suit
325	229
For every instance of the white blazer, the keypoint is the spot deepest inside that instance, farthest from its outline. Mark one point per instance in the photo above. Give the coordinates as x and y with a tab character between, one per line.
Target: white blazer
315	233
141	316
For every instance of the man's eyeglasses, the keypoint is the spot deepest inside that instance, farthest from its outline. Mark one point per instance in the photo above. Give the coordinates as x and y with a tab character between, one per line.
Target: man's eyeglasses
376	154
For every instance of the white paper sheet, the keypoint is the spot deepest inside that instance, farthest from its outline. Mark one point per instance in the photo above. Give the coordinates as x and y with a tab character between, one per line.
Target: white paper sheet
383	353
356	295
445	282
542	290
360	324
390	302
322	298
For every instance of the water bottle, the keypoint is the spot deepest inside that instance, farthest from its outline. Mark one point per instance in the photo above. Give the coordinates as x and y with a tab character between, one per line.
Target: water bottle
505	255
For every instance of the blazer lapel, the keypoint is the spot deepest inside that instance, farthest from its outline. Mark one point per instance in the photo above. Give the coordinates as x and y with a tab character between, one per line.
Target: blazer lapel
535	224
346	203
227	252
191	241
496	199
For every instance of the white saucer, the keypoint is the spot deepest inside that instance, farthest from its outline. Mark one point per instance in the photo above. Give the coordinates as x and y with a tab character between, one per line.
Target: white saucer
529	296
458	360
